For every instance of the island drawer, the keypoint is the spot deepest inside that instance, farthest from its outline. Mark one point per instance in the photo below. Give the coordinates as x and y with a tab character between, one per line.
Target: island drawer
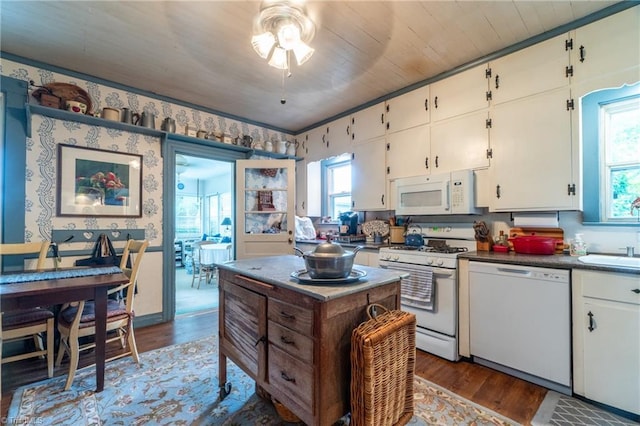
291	376
291	316
290	341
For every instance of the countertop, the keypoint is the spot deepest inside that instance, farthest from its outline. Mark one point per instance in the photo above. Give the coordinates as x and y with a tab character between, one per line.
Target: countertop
558	261
277	270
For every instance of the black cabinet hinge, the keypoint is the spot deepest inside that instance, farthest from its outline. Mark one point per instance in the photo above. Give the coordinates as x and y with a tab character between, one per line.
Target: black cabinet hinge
489	95
571	189
490	153
569	104
388	146
353	156
487	123
388	170
487	73
568	71
568	44
387	125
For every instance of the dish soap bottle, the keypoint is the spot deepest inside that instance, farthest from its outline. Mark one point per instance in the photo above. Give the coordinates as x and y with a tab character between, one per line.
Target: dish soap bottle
578	246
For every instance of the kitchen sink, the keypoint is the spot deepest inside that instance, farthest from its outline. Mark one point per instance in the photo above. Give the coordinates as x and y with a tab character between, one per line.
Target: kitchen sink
602	259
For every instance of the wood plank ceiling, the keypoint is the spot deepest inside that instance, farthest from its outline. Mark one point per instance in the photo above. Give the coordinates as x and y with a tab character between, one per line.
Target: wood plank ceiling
199	51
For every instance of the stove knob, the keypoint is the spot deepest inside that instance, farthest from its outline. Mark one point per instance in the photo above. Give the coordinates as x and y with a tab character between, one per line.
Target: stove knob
429	261
396	258
439	262
385	257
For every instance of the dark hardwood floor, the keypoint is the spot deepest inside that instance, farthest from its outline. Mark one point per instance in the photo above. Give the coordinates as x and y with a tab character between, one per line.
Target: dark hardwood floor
512	397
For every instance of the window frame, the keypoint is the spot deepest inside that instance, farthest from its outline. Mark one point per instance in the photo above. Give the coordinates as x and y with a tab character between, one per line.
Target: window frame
326	166
593	166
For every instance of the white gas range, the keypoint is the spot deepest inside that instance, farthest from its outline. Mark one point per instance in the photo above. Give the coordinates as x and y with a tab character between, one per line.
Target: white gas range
431	290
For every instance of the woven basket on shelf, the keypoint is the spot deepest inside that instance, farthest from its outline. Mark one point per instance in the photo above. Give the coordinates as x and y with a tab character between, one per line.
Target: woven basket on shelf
383	355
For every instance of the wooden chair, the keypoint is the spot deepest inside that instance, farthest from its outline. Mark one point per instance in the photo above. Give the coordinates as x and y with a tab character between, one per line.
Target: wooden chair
202	264
78	319
29	323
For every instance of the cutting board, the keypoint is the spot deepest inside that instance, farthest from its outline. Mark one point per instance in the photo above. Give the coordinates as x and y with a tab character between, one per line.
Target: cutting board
556	233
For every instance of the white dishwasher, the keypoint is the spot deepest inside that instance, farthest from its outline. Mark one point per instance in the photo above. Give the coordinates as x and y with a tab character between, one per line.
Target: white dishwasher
520	322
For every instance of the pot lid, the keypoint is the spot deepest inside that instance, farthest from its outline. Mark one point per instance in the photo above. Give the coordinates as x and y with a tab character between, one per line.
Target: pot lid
328	249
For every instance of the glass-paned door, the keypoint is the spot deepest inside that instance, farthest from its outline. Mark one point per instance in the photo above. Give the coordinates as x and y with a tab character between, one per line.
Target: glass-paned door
265	207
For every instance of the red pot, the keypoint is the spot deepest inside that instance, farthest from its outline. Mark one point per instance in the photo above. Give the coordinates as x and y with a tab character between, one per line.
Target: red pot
533	244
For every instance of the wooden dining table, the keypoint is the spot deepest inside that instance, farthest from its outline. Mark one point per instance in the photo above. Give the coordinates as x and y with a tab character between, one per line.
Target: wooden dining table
47	288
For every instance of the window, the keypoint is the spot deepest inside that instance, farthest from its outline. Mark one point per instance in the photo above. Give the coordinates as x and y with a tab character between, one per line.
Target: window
336	174
611	156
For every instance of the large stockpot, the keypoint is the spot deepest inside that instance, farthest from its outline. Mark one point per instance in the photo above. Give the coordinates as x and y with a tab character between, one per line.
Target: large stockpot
329	260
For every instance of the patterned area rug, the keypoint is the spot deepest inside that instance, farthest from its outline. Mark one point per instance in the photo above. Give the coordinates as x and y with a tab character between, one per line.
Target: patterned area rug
178	385
562	410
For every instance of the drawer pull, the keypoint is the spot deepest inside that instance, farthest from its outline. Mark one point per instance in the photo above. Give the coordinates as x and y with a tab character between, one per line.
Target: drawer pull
590	315
287	378
286	340
287	316
636	290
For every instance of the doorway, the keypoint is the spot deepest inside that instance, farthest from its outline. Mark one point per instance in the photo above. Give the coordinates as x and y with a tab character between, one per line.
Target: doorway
203	201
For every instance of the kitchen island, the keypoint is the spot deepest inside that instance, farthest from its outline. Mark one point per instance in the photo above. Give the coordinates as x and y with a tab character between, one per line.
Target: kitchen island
294	338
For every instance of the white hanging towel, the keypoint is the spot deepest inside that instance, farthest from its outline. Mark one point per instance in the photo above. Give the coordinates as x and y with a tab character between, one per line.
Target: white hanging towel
418	290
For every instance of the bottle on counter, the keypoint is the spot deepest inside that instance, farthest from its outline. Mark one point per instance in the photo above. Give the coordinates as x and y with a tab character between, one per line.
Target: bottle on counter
578	247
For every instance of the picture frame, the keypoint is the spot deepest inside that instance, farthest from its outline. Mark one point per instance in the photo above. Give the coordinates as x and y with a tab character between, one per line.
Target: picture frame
97	182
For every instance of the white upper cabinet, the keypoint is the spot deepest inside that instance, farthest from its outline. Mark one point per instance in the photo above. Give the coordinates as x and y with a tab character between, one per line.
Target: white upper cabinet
526	72
408	152
460	143
531	154
408	110
368	176
338	138
301	188
606	53
368	123
459	94
315	143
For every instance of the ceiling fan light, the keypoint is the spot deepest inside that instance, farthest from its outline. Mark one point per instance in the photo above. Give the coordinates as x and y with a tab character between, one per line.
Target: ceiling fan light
279	59
288	35
302	52
263	43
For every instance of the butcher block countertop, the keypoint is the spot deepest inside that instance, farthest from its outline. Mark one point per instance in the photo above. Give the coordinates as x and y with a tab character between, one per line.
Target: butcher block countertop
276	270
558	261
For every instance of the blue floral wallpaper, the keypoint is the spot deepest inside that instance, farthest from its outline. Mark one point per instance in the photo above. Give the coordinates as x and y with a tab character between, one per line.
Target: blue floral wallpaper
47	133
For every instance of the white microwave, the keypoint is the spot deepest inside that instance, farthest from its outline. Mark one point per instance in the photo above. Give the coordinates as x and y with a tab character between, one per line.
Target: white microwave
441	194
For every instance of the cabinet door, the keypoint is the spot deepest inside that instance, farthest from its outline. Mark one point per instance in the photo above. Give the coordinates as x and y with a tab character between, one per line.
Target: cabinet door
607	52
314	188
339	137
368	176
244	328
301	188
531	153
316	143
535	69
460	143
265	207
408	110
459	94
368	123
408	152
611	354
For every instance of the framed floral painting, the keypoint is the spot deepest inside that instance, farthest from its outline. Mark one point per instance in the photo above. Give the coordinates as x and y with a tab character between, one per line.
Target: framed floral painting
95	182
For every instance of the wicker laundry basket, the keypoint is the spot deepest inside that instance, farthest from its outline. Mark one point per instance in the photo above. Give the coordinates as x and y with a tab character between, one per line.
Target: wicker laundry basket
383	356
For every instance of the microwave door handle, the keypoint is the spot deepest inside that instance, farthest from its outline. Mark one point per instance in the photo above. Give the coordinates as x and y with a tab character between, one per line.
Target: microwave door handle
448	192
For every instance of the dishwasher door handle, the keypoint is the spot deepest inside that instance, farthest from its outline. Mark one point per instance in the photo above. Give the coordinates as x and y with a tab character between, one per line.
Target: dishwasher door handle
514	271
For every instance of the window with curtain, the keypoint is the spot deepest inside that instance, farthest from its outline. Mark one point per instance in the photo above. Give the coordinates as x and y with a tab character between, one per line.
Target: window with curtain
611	156
220	207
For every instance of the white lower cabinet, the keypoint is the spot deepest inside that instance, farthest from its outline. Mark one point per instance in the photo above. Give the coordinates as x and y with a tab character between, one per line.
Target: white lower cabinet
606	338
